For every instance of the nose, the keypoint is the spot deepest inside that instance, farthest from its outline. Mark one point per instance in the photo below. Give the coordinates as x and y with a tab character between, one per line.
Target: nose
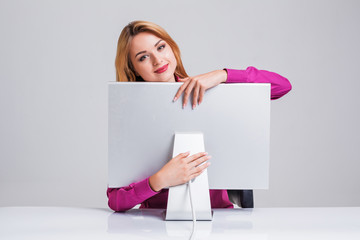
156	60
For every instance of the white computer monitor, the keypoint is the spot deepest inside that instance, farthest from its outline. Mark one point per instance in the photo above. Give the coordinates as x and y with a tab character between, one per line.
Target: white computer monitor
234	120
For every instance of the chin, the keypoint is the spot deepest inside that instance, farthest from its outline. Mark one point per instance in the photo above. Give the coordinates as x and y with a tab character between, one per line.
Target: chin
167	78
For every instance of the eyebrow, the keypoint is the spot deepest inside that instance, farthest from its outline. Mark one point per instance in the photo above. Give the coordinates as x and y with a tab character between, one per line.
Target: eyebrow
145	51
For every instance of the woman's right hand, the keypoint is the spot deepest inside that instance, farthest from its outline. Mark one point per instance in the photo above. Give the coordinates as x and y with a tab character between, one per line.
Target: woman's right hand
179	170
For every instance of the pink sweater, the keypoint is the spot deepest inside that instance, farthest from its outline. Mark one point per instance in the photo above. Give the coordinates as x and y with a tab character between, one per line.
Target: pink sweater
125	198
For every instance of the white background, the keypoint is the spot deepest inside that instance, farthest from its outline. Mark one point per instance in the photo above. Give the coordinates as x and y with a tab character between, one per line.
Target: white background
56	58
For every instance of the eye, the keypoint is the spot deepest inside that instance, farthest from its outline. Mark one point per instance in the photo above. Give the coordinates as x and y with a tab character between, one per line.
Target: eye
142	58
161	47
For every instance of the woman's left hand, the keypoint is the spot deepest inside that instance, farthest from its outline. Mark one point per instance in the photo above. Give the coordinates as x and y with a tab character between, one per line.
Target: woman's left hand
198	85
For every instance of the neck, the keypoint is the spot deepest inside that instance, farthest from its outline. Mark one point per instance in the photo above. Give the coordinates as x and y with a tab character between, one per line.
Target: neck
173	79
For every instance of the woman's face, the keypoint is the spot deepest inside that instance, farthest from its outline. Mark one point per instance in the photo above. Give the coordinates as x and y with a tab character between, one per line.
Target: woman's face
152	58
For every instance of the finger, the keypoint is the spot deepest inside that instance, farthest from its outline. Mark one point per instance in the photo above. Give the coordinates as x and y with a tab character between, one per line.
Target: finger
187	92
181	90
201	95
199	161
197	171
181	155
196	156
196	95
183	79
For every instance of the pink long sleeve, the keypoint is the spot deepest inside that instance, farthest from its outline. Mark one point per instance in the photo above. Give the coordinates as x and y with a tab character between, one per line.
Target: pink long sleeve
125	198
279	85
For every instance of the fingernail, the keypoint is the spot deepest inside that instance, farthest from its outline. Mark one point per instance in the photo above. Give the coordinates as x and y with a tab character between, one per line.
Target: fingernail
175	98
183	105
194	106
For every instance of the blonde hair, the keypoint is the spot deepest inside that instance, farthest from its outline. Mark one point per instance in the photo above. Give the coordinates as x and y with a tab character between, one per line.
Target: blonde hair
124	69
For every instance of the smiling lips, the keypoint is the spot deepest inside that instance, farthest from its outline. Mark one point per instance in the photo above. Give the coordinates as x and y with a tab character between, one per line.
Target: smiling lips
162	69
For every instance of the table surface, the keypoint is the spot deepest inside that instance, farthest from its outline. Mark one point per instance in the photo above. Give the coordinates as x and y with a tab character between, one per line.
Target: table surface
259	223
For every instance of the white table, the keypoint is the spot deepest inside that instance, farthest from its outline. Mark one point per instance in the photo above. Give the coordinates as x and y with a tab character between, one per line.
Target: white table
259	223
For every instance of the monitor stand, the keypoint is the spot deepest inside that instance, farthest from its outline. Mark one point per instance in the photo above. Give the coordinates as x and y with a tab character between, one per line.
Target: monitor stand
178	206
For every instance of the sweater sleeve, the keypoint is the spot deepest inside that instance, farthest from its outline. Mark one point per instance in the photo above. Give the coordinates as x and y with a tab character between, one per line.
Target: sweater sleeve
125	198
279	85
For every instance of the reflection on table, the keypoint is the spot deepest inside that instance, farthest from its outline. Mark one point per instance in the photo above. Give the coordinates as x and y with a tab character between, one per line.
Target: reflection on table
259	223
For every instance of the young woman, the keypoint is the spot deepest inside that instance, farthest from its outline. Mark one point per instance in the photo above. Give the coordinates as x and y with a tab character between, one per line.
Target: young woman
147	53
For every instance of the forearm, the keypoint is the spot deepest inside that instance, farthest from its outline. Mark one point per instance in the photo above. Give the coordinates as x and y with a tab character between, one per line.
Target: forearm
156	182
125	198
279	84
